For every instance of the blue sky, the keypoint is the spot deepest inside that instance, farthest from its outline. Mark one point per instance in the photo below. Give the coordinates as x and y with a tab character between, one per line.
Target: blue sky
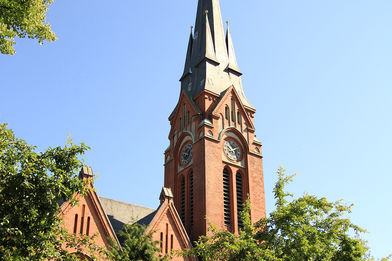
318	73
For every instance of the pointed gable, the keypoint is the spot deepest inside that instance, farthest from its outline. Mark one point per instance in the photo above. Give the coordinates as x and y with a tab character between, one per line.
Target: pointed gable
88	216
167	227
226	100
181	117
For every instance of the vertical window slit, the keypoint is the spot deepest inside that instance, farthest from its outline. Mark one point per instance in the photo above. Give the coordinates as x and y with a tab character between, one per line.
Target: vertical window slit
88	227
227	115
183	115
76	224
226	197
82	219
232	110
161	243
171	242
167	238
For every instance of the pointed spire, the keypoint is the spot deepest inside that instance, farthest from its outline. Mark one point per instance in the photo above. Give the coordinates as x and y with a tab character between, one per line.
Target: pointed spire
188	61
215	28
233	65
211	63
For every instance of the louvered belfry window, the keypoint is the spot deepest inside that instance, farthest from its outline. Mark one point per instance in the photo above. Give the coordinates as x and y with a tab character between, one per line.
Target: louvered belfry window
239	199
191	198
183	199
226	197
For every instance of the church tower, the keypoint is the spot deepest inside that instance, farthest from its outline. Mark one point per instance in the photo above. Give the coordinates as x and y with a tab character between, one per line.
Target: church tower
214	161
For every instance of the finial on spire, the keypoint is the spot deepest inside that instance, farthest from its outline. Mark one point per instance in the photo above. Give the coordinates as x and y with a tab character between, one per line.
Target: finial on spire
206	11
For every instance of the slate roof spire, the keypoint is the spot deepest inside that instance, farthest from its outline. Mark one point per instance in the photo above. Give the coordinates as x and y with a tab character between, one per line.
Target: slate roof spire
211	63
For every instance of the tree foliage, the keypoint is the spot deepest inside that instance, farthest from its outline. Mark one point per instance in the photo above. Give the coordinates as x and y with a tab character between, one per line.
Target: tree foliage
306	228
31	186
22	19
137	245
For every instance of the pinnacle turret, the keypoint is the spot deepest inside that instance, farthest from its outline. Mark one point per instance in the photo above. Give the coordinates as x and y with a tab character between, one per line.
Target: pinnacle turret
233	65
188	60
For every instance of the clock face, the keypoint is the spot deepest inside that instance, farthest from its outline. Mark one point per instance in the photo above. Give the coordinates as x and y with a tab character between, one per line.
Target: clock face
186	154
232	150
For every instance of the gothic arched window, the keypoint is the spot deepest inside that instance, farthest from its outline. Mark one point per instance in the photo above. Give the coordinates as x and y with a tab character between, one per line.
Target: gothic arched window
76	224
191	198
182	213
240	201
227	115
226	197
239	119
88	227
233	110
183	115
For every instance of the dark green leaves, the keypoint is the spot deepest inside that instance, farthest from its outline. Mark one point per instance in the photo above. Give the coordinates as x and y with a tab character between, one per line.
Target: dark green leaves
137	245
31	186
307	228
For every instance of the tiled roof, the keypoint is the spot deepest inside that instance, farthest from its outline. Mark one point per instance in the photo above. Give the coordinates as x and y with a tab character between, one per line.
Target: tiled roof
120	213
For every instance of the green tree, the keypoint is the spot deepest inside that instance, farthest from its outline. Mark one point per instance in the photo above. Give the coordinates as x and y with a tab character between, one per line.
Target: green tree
31	186
306	228
137	245
23	18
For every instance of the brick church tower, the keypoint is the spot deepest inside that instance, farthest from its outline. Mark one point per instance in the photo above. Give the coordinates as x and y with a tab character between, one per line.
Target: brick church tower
214	161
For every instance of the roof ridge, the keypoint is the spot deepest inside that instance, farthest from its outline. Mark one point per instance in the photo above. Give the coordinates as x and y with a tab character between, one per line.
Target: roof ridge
126	203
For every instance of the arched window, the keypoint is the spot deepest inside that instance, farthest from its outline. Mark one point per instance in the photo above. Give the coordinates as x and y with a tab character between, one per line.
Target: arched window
189	118
226	197
167	238
233	110
180	124
88	227
161	242
82	219
239	119
240	201
76	224
227	113
191	198
182	213
183	115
